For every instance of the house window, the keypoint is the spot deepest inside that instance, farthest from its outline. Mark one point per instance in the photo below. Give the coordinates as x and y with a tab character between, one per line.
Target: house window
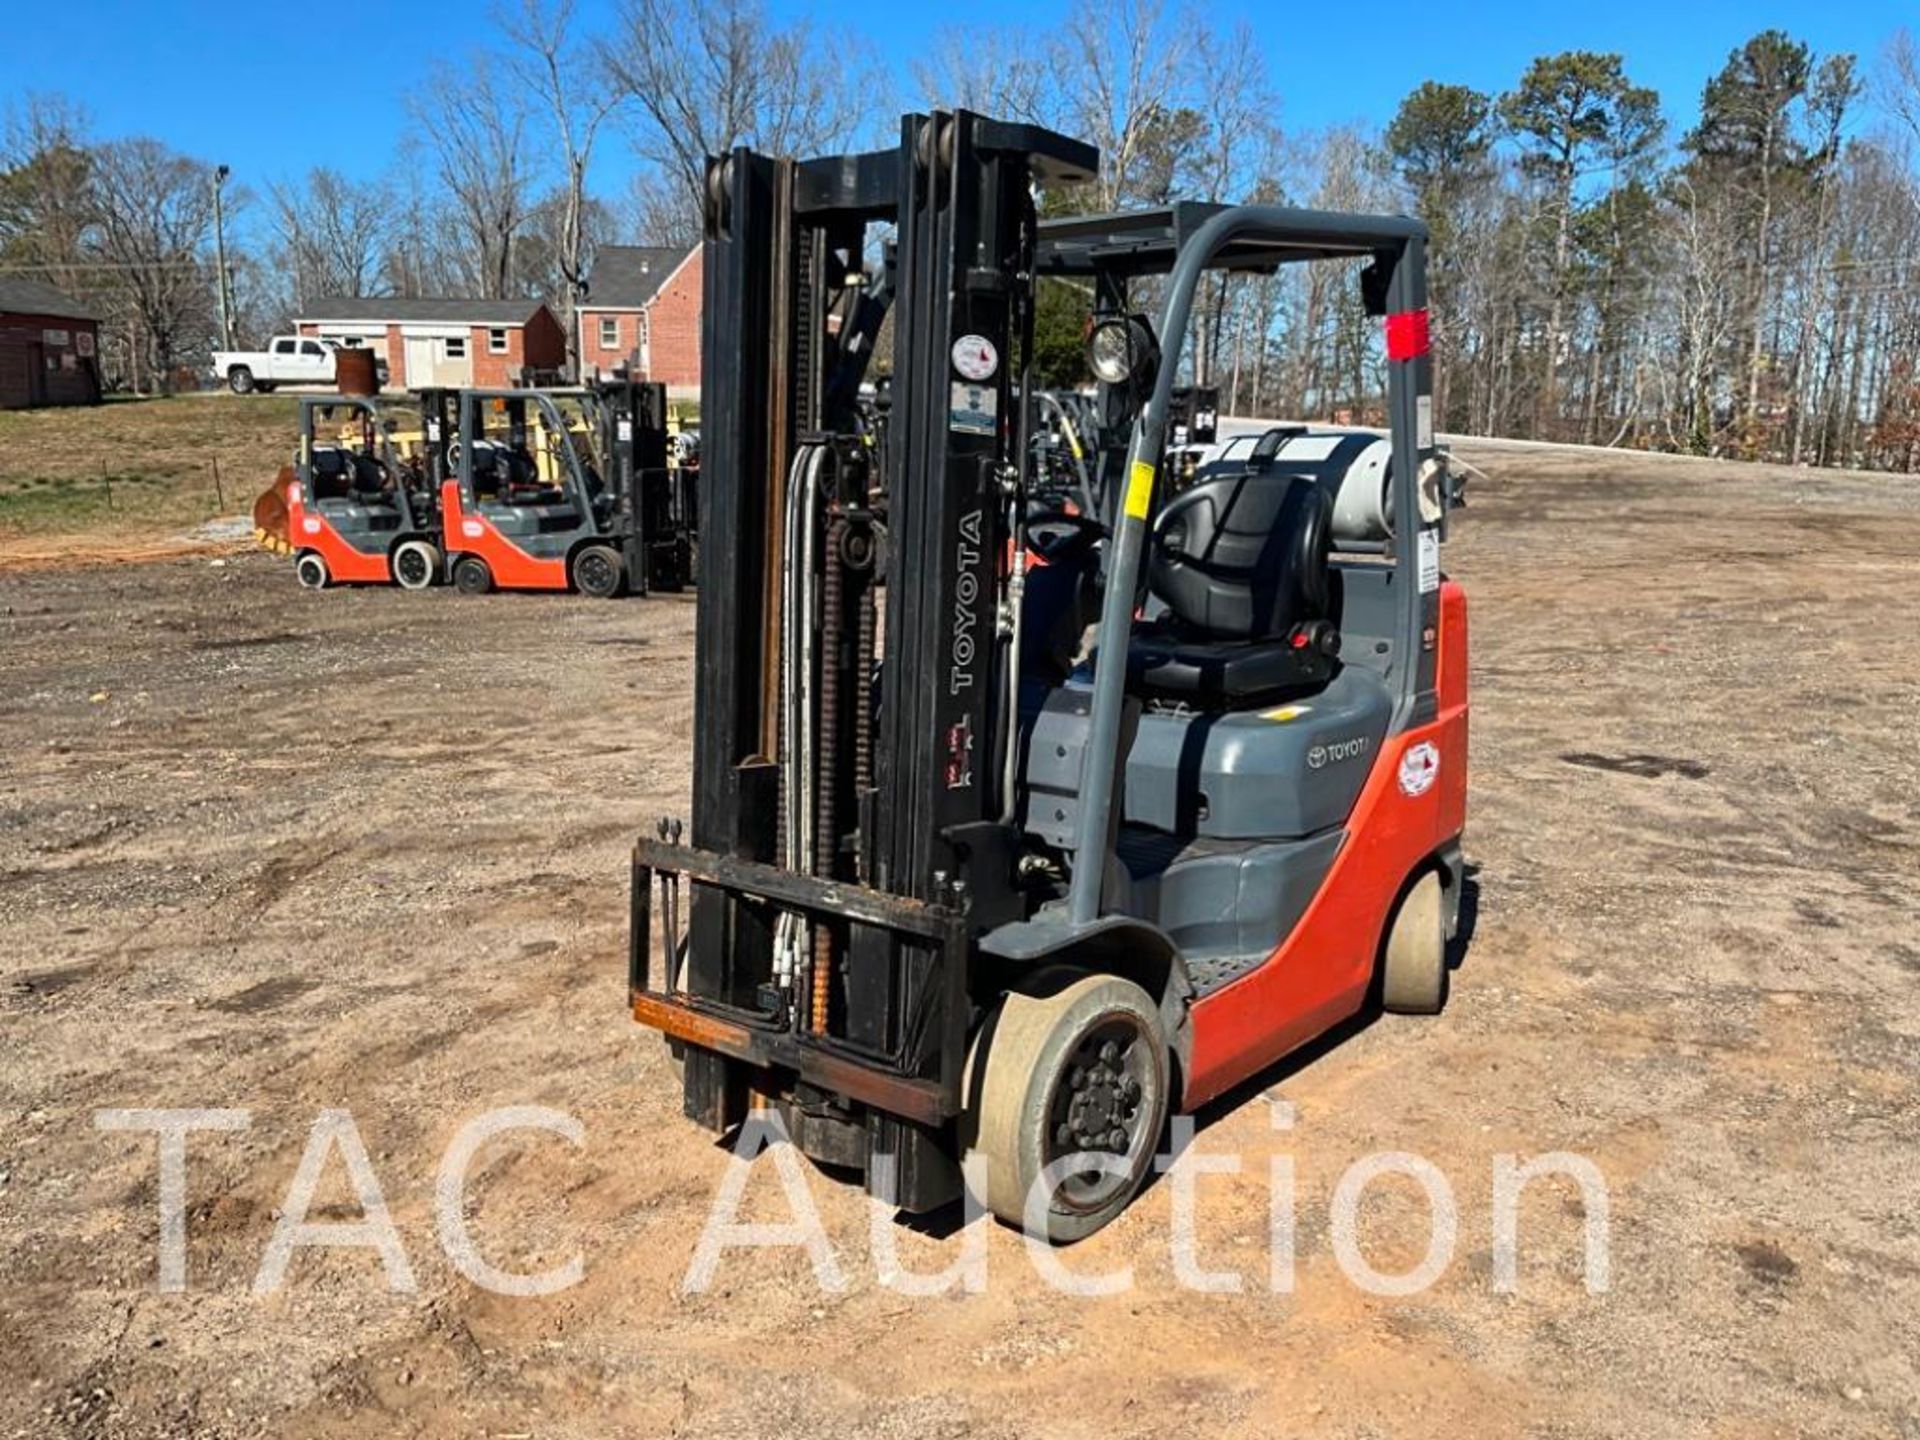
609	333
456	347
496	342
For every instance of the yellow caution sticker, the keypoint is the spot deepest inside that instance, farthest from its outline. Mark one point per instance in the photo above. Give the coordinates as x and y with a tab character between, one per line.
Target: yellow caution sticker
1139	490
1285	713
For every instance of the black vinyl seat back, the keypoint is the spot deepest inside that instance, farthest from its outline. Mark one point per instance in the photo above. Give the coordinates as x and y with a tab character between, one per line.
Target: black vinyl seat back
1244	556
369	478
330	470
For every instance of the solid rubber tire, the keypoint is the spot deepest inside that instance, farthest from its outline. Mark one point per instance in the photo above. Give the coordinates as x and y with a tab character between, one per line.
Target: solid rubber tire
591	568
472	575
415	547
1028	1045
1413	970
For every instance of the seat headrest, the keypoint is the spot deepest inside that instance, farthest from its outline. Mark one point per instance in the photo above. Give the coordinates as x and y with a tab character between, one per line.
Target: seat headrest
1244	556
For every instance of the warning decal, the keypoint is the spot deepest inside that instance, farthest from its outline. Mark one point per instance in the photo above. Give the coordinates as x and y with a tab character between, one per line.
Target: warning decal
974	409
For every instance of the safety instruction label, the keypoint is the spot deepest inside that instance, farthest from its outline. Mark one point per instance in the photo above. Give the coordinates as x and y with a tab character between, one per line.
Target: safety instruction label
1139	490
1423	422
974	409
1429	560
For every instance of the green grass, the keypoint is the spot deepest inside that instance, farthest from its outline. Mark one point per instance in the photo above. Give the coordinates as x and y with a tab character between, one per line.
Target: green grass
140	466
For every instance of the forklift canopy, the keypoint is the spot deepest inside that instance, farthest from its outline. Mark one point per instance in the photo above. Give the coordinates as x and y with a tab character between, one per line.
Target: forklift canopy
1146	242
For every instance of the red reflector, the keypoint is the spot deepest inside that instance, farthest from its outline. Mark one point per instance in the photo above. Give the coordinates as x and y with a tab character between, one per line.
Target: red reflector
1407	337
1300	639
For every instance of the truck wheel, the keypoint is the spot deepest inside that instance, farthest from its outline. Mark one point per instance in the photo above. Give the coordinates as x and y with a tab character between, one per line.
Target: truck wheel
597	572
416	564
1413	971
471	576
240	380
1082	1071
311	571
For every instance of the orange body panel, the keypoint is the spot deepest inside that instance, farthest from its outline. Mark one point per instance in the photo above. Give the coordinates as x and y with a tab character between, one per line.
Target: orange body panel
470	533
309	530
1320	973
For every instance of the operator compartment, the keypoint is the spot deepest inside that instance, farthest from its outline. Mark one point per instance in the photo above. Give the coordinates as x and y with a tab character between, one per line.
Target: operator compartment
351	490
1246	723
511	494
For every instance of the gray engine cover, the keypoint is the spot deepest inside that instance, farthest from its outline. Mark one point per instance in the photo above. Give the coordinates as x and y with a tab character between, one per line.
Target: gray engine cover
1278	772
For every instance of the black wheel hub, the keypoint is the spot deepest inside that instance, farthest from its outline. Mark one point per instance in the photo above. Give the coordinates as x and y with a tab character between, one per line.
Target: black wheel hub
1100	1106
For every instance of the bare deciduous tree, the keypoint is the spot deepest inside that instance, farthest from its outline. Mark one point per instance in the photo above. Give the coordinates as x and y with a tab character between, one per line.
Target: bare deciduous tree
153	212
334	234
1119	70
475	122
1006	74
579	98
704	78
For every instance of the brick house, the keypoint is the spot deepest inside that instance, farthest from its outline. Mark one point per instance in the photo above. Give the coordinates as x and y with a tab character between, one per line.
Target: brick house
49	348
452	343
642	311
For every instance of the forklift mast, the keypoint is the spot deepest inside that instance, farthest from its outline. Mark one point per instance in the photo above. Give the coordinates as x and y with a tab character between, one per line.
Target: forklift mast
651	508
854	675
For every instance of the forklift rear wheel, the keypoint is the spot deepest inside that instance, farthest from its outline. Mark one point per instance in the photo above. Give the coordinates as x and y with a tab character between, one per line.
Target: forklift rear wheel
311	571
597	572
416	564
1081	1071
1413	978
471	575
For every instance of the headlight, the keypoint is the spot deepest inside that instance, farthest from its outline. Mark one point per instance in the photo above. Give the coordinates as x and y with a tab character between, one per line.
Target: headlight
1110	352
1120	349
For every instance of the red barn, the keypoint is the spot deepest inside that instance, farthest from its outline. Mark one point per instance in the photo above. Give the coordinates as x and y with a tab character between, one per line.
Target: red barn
642	311
491	344
49	347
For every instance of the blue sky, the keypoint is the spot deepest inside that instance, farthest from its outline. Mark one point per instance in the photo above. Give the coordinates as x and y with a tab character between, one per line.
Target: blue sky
274	89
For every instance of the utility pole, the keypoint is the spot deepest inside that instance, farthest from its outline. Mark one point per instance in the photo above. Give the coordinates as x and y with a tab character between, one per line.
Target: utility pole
220	256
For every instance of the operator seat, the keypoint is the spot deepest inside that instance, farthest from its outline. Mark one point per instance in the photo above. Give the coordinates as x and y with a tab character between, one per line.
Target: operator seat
1240	562
331	472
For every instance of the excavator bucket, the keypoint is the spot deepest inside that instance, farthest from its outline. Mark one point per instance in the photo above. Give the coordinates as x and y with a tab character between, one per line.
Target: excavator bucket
270	514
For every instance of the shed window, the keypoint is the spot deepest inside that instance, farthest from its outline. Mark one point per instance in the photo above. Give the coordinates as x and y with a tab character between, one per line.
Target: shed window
496	342
609	333
456	347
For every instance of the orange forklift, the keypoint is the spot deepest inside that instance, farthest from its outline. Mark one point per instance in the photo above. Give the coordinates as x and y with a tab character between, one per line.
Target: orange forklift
1004	859
355	511
561	489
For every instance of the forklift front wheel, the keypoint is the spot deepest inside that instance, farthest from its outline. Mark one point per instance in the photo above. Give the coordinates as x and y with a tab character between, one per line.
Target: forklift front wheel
1079	1072
416	564
311	571
471	575
597	572
1413	974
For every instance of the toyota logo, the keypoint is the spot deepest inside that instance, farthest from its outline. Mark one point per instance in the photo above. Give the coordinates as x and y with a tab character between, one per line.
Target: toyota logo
1316	757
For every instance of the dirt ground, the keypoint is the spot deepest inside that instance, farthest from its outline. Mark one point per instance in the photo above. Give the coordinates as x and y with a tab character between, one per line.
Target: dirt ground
288	853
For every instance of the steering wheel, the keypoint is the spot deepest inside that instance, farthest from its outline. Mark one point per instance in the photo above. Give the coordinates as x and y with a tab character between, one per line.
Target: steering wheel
1072	535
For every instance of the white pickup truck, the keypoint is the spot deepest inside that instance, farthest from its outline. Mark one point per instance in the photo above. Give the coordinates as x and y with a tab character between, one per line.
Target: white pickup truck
287	360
